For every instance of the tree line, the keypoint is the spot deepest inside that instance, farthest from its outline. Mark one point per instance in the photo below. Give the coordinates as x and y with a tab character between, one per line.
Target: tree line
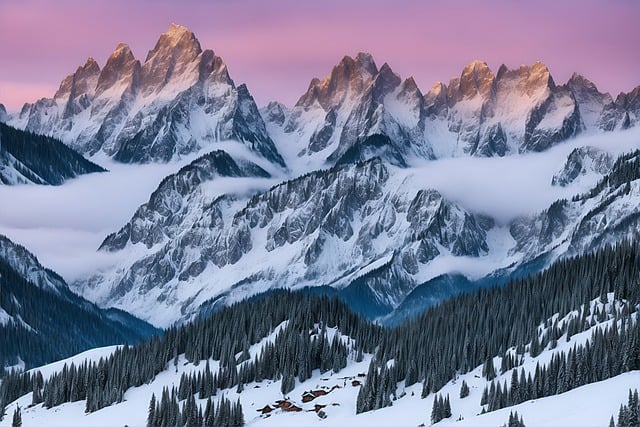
447	340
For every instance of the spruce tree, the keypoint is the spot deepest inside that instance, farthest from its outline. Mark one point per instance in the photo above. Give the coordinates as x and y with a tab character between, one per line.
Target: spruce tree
17	418
464	390
151	417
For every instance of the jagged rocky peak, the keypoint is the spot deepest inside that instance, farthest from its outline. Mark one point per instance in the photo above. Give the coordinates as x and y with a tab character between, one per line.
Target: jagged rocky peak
120	67
436	99
351	74
80	82
535	78
590	100
213	69
177	40
530	79
171	58
582	161
385	82
3	114
410	87
579	83
623	113
476	79
275	112
629	100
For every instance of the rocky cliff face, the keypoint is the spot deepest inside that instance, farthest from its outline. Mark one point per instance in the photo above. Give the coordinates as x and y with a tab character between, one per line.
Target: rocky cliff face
340	113
581	162
483	114
178	101
605	214
359	111
324	228
623	113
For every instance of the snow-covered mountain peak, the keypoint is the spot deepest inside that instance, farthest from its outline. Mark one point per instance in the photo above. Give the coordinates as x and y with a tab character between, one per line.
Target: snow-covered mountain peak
476	79
409	85
350	75
119	70
122	52
533	81
435	99
385	82
172	60
356	113
578	81
175	103
176	39
589	98
539	75
80	82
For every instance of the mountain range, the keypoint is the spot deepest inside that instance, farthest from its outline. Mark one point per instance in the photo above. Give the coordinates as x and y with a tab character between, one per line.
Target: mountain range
328	193
294	243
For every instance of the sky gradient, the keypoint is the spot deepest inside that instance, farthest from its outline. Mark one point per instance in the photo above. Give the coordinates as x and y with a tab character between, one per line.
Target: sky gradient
277	46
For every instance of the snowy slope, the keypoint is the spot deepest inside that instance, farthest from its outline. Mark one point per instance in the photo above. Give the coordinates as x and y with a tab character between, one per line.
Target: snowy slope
576	407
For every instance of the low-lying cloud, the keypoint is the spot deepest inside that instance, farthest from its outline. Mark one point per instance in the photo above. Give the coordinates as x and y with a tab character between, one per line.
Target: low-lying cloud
65	225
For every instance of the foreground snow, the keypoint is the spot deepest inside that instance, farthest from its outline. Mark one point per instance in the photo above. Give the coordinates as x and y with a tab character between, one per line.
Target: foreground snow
592	404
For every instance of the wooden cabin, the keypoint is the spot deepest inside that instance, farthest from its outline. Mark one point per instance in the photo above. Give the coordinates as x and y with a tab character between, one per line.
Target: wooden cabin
266	410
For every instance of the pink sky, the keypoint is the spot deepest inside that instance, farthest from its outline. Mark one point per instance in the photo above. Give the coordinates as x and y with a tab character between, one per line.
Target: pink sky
277	46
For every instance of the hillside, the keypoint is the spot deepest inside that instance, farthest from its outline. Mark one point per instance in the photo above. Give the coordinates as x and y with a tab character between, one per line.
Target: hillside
278	347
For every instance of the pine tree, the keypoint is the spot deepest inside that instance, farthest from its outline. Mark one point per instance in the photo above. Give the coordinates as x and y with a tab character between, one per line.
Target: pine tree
464	390
447	407
288	384
151	413
17	418
436	410
488	369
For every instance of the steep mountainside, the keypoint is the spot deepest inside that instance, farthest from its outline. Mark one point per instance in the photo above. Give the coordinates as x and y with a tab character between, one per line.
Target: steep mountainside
41	320
513	111
605	214
179	100
324	228
29	158
623	113
359	111
340	116
370	232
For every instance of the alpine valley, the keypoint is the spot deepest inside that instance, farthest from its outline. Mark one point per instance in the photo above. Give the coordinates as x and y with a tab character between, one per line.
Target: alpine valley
372	255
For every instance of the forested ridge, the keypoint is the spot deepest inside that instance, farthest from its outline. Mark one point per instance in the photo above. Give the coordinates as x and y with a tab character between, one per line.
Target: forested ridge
46	325
447	340
40	159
